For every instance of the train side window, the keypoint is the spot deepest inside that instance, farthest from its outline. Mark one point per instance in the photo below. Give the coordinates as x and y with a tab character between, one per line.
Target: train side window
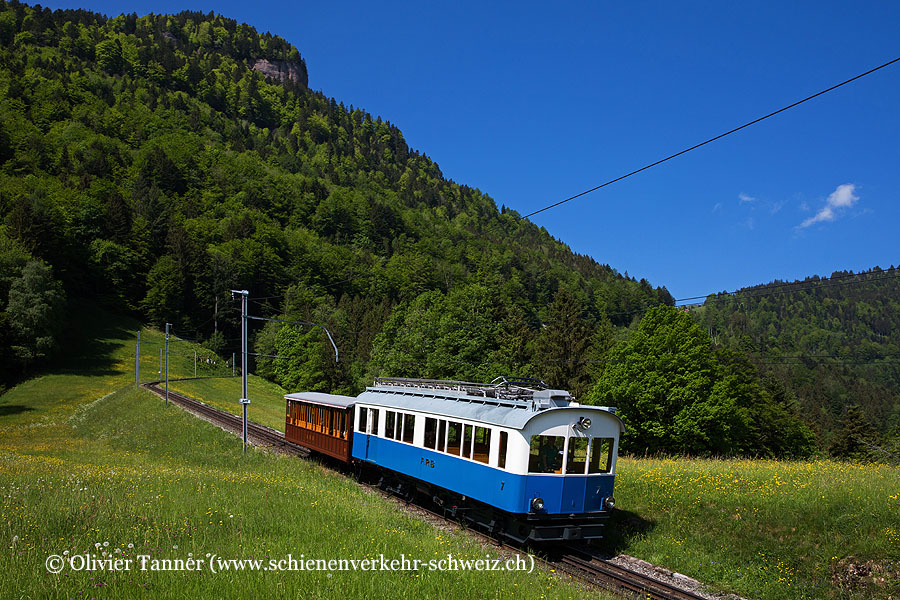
409	428
454	437
576	457
601	455
482	444
341	425
467	441
363	420
442	435
504	440
545	455
374	420
430	432
389	419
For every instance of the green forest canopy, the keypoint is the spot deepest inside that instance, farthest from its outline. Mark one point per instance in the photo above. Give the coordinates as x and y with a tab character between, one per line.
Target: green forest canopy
146	164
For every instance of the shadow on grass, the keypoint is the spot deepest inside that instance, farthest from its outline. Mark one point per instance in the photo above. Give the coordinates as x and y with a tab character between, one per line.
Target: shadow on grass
93	337
13	409
90	341
623	527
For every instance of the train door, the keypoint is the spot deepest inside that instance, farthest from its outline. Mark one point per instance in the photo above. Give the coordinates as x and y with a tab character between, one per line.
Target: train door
371	432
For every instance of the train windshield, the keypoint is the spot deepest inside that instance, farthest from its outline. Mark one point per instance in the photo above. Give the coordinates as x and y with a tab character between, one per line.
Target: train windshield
582	455
601	455
546	454
576	458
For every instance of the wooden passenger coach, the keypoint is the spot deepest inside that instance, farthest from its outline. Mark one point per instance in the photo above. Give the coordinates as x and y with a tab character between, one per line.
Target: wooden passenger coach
320	422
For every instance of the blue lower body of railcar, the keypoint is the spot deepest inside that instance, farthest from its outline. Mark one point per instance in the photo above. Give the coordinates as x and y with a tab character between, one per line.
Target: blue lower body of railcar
569	494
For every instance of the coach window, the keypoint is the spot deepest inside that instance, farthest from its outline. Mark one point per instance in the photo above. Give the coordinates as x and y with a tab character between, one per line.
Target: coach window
546	453
374	420
390	418
409	428
430	432
363	419
504	440
601	455
454	437
482	444
467	441
442	435
576	457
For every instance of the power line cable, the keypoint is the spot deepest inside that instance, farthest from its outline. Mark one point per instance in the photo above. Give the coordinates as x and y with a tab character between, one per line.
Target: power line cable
713	139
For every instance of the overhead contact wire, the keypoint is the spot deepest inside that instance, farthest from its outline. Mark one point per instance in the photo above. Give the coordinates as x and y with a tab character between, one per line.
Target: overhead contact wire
713	139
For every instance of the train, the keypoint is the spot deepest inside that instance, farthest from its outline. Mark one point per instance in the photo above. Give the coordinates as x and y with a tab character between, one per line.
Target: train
522	461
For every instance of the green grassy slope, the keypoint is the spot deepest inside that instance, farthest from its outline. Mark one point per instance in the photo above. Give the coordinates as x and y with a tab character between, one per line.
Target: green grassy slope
266	398
89	463
763	528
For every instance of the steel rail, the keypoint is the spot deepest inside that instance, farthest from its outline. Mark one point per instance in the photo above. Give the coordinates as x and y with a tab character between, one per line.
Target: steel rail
621	579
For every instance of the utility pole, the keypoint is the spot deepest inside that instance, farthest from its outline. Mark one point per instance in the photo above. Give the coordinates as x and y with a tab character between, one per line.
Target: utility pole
160	362
137	360
168	326
244	399
195	364
245	354
232	364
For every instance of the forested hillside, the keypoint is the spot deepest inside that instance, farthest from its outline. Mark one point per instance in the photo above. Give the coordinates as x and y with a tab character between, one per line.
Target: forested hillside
145	164
153	164
831	343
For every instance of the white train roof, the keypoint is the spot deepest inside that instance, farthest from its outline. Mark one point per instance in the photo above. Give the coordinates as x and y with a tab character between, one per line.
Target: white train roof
509	406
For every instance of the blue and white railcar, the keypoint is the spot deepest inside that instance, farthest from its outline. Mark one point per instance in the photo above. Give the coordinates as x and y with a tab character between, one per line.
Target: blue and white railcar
523	460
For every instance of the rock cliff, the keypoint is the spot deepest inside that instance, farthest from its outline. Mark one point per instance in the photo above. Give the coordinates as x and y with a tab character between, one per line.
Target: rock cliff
282	70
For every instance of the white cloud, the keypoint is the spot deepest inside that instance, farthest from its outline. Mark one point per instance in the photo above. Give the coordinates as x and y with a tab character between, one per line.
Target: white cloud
717	207
746	198
841	198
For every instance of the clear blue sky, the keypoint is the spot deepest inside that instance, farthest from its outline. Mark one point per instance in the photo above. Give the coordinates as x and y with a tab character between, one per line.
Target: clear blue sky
532	102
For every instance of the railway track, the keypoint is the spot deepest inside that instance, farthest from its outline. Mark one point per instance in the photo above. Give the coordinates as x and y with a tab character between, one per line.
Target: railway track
577	563
574	561
620	579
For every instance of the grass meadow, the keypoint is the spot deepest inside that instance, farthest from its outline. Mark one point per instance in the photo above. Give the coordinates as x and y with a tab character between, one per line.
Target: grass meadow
91	464
764	528
267	405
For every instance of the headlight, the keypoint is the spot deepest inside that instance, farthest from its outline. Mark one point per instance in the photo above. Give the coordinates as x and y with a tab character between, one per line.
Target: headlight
583	424
537	504
609	503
